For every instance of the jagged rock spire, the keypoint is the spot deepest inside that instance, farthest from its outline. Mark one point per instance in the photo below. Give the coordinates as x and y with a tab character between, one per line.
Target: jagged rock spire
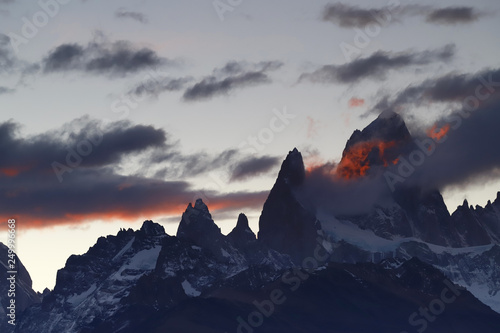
197	224
241	234
285	225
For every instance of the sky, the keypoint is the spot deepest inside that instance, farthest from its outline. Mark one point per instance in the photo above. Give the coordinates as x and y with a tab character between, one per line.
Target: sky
117	112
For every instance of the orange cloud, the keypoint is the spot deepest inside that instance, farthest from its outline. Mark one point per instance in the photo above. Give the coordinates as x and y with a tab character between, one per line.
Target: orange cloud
13	171
438	133
356	102
312	162
41	217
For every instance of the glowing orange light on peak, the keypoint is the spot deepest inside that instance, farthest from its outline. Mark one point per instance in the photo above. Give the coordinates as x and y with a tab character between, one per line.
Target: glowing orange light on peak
438	134
355	162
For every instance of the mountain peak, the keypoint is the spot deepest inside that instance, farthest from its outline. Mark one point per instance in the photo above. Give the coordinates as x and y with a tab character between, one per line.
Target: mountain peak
388	114
285	225
197	223
292	169
465	204
378	144
200	205
241	234
389	126
242	222
149	228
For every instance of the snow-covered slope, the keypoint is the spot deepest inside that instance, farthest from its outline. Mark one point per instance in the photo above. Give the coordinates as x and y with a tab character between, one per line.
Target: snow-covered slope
91	286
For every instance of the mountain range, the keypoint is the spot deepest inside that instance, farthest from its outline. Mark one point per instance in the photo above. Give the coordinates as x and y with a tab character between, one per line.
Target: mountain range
338	250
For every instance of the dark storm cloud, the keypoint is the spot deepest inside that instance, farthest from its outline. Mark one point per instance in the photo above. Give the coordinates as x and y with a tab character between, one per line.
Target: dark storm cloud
377	65
347	16
139	17
254	166
73	174
109	144
234	75
450	88
100	57
155	86
453	15
469	153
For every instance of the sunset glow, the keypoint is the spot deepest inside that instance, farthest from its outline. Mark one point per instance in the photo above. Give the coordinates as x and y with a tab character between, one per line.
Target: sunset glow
356	163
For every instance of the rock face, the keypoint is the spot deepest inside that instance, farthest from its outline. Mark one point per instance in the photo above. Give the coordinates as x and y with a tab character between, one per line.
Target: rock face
92	286
285	225
377	146
24	295
478	226
242	235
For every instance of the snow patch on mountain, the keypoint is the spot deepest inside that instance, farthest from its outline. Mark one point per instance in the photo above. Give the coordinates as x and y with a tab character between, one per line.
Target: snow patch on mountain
189	290
78	299
124	249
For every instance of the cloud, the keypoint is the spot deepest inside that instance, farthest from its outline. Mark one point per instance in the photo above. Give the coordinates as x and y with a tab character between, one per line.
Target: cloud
139	17
377	65
109	144
7	59
468	153
64	57
471	114
229	165
312	127
155	86
234	75
102	57
253	166
451	88
347	16
181	165
453	15
95	187
5	90
10	64
355	102
338	196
